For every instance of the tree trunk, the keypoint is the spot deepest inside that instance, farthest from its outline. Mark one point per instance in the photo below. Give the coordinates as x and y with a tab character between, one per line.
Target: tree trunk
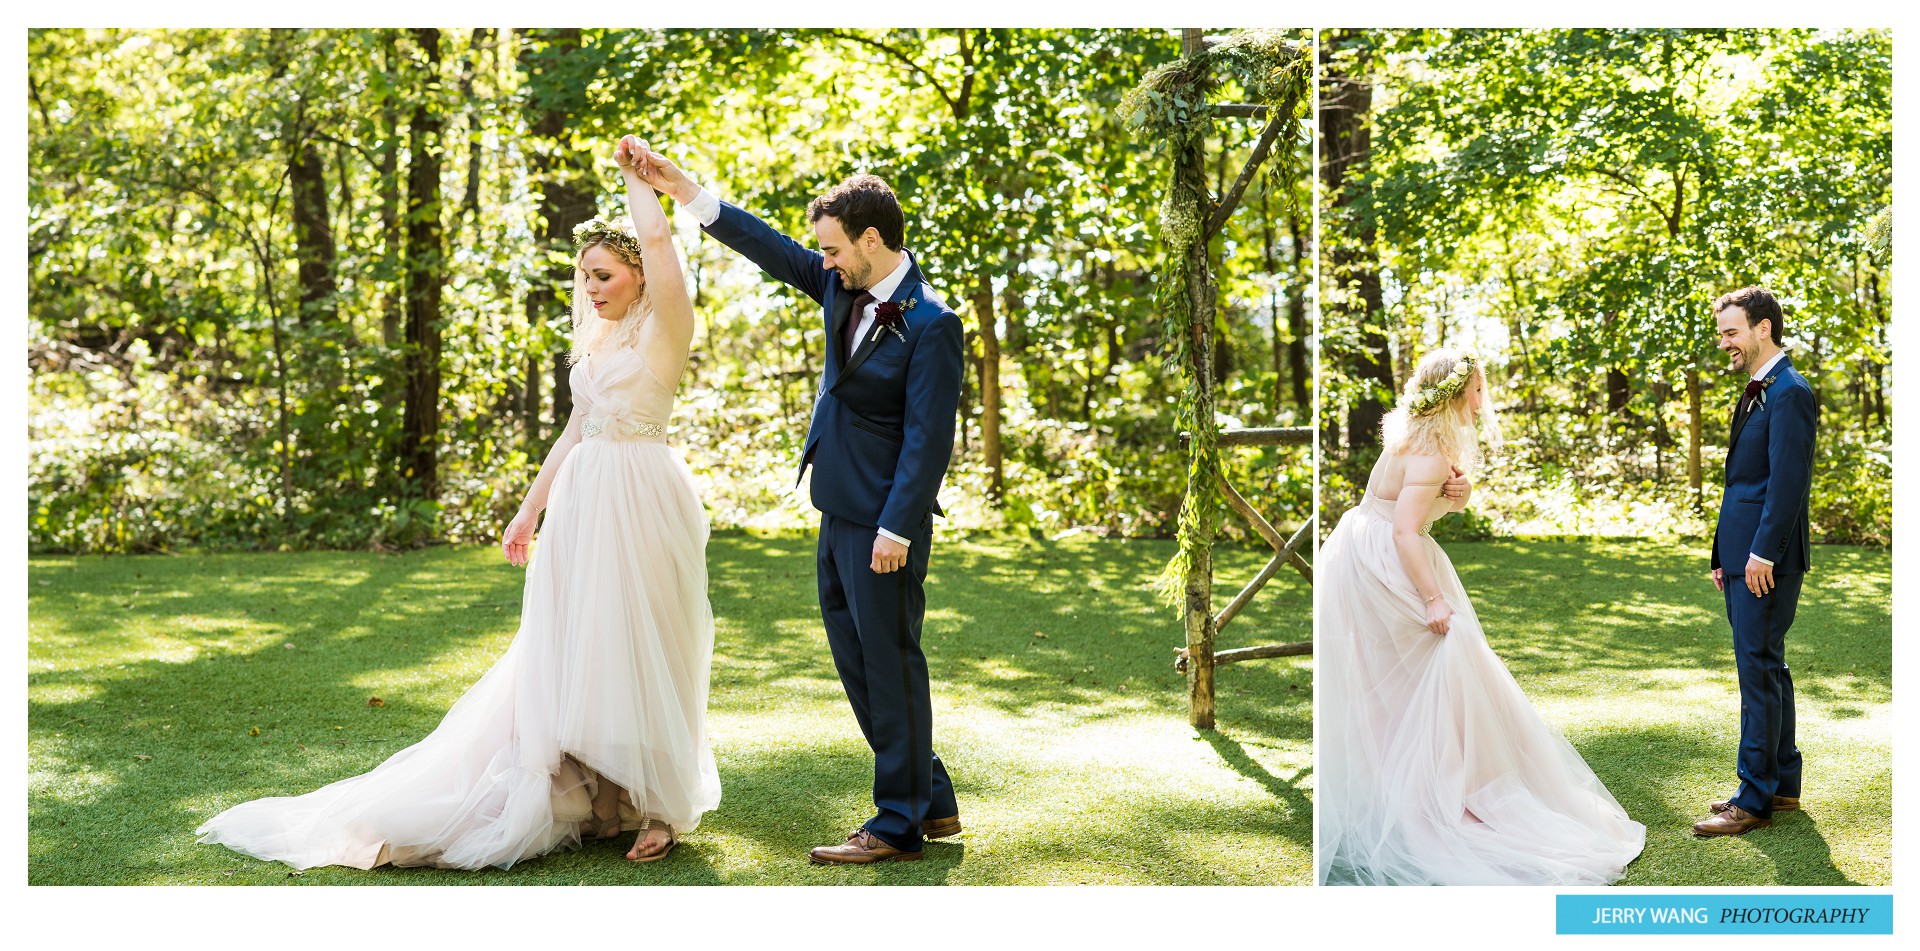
562	391
1694	399
1297	326
1662	438
530	402
969	366
426	261
470	201
1876	391
313	235
1345	104
564	203
393	239
989	385
1619	411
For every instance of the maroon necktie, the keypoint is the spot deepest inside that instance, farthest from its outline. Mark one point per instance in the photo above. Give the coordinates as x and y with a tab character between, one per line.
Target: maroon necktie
853	325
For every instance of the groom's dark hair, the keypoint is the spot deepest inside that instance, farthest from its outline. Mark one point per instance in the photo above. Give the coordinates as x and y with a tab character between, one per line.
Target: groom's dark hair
1759	305
859	203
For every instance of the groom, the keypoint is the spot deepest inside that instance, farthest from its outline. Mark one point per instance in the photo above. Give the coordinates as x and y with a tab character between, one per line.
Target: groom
1760	553
879	443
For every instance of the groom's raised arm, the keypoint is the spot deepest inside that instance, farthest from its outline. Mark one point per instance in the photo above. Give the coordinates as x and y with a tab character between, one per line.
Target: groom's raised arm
784	259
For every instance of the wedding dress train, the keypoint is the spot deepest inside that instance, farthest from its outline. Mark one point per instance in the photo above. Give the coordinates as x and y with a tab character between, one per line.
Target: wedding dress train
1433	767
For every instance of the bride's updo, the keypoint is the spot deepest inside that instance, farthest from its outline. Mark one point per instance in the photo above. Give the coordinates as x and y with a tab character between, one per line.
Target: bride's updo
591	332
1434	414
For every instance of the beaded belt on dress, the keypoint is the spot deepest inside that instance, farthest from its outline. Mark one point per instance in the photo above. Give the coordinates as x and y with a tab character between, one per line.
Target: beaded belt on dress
1381	510
624	429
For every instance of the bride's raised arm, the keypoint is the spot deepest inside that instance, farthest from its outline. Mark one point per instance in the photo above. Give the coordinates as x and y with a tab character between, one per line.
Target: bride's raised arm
671	330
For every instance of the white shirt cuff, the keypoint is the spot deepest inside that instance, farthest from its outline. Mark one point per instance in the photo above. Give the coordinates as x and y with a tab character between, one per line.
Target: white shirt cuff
1759	559
705	208
903	541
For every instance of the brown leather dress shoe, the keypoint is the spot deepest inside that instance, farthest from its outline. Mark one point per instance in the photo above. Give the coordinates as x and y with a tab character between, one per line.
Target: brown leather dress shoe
1732	821
861	848
1780	804
942	828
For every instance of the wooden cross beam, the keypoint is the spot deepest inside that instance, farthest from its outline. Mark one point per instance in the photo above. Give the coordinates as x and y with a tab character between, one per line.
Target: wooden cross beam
1288	553
1259	436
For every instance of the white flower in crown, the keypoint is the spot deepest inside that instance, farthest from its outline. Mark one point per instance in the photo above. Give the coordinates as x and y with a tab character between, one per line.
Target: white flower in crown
1431	398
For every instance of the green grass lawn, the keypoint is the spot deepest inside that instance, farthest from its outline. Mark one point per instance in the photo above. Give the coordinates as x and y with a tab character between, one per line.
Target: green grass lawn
1624	645
1056	708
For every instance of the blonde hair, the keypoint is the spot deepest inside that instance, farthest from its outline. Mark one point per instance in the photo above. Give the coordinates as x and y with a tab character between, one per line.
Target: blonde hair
593	333
1419	425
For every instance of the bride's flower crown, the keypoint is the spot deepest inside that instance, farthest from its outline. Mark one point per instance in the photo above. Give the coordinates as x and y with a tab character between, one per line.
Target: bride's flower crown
1431	398
616	233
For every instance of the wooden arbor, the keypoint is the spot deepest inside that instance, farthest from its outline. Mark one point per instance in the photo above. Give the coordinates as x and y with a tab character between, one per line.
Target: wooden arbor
1172	101
1199	658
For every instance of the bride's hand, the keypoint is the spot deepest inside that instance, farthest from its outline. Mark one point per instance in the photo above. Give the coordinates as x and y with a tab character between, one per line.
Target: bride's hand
518	537
1439	616
631	156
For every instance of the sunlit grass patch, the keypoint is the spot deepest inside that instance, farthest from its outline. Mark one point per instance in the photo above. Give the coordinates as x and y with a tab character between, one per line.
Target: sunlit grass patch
1624	646
1056	707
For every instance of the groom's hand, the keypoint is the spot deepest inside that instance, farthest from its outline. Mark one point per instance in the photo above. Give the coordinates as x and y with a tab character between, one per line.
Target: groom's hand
660	172
888	555
1759	576
1719	580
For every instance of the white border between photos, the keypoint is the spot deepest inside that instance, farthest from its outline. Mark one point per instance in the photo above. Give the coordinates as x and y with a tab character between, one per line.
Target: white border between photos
1228	919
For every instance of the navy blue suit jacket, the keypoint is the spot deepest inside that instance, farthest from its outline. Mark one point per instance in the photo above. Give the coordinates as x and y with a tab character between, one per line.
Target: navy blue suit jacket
1769	478
882	430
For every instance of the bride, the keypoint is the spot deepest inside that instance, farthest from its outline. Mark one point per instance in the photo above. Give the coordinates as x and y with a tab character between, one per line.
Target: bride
594	720
1433	767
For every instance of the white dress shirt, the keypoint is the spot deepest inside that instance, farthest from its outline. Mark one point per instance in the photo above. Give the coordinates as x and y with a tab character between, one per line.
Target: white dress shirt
1761	374
706	209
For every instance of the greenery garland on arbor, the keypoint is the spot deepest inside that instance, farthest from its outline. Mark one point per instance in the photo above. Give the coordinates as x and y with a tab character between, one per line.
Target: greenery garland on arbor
1170	106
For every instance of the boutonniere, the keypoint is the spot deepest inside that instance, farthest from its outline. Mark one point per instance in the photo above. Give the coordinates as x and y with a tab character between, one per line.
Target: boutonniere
891	315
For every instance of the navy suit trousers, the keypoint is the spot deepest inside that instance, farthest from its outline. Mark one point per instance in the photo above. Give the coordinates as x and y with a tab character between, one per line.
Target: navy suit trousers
873	626
1769	763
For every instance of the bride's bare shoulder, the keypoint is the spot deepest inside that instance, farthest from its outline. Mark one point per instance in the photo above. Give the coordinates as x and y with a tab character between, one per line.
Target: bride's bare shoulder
1425	469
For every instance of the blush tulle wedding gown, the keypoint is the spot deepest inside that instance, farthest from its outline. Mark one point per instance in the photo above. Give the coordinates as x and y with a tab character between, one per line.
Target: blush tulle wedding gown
607	676
1433	767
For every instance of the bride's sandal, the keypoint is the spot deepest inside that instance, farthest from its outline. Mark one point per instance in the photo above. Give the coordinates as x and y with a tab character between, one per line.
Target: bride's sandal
646	824
595	829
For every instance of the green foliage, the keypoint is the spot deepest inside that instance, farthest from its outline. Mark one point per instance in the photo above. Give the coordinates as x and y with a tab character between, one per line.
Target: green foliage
1170	108
1570	203
1853	486
183	394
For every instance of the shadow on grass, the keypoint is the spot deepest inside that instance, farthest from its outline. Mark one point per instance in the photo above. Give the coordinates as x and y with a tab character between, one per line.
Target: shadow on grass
1664	777
1630	605
1025	623
148	675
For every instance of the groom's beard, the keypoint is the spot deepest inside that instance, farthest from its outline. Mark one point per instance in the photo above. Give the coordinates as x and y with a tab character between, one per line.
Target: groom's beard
1742	360
858	280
